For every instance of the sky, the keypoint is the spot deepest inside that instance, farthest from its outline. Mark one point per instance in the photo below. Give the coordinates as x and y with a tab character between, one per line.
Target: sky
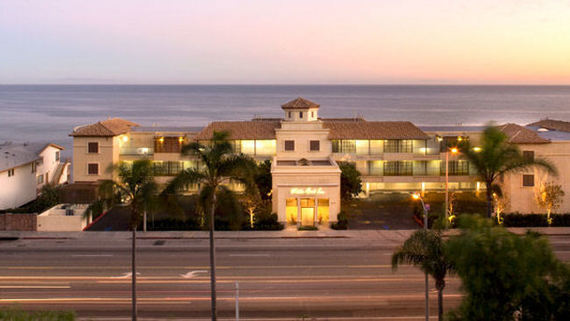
284	42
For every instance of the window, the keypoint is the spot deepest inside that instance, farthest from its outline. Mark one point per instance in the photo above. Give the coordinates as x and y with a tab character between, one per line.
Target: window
313	114
289	114
528	180
398	146
300	114
34	167
40	179
93	148
172	144
289	145
170	168
57	156
315	145
456	168
528	155
398	168
93	169
11	172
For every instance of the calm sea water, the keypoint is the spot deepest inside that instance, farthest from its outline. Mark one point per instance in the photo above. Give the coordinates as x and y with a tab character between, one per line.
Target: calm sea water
40	113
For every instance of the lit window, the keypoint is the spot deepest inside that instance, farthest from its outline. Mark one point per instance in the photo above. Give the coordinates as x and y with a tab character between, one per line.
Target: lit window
265	147
248	147
289	145
93	169
93	148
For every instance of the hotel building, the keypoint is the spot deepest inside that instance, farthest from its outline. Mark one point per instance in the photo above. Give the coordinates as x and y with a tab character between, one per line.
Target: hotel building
304	149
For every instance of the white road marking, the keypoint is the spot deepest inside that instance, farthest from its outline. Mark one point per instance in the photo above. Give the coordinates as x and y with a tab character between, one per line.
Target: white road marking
127	275
192	274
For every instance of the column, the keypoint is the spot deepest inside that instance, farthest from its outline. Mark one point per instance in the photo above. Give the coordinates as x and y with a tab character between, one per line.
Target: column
298	211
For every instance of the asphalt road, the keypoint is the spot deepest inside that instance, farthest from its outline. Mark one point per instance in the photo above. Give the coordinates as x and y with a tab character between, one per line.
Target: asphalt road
279	279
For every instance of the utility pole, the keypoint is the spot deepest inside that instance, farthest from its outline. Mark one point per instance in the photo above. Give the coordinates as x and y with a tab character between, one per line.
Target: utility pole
237	301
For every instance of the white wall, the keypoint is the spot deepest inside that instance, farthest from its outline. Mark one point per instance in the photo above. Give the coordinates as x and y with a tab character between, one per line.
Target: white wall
19	189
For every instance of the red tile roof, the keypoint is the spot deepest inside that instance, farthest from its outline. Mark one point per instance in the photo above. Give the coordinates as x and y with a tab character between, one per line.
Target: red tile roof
105	128
521	135
254	129
361	129
339	129
552	124
299	103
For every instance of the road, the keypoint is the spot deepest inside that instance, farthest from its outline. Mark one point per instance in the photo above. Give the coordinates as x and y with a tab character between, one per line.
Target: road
279	279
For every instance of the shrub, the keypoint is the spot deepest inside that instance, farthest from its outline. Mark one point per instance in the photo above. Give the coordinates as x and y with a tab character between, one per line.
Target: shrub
307	228
174	225
342	222
13	314
535	220
266	222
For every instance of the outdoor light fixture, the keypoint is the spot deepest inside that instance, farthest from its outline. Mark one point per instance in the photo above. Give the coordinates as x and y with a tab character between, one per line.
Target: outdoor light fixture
476	149
125	139
180	139
454	150
417	196
459	138
161	139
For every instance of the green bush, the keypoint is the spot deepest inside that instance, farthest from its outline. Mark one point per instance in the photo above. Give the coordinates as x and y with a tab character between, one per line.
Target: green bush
174	225
341	223
534	220
18	315
308	228
266	222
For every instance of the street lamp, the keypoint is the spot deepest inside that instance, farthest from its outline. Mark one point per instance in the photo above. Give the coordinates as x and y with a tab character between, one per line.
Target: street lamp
417	196
454	151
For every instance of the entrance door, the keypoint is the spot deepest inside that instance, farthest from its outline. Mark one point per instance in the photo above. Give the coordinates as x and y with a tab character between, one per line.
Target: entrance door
307	212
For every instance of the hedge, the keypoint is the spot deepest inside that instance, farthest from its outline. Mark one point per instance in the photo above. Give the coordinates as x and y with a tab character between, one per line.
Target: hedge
534	220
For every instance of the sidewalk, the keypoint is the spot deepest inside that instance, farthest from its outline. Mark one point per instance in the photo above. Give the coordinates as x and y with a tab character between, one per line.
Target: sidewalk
252	235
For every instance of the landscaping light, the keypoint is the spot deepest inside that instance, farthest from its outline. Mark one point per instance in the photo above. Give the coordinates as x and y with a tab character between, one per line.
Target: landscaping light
415	196
454	150
476	149
459	138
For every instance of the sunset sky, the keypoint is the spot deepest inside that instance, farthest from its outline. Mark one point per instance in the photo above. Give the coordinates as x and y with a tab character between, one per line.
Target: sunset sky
285	42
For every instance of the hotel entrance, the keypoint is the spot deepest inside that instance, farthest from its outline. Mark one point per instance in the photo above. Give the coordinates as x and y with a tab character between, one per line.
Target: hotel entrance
305	211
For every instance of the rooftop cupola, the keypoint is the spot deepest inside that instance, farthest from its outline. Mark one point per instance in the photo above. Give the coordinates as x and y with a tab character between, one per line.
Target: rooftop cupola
301	109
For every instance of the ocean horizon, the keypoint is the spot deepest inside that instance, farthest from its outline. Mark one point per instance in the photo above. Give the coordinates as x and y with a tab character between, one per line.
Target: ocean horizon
49	112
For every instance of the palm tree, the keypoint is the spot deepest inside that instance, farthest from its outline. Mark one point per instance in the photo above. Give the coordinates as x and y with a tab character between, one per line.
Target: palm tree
219	166
426	249
497	157
136	190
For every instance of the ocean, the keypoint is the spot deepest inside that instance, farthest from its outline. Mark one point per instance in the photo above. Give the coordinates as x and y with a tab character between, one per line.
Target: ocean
49	112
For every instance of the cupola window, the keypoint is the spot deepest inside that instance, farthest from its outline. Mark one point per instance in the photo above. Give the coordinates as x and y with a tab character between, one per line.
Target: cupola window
300	114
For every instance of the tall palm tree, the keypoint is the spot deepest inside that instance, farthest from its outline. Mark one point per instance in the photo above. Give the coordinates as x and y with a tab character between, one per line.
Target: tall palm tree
497	157
218	166
136	190
426	249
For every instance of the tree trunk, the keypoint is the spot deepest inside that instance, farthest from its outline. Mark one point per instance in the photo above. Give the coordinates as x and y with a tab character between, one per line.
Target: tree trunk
134	272
440	285
489	199
213	258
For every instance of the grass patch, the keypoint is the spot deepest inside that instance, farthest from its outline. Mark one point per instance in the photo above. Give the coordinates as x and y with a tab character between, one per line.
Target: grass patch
11	314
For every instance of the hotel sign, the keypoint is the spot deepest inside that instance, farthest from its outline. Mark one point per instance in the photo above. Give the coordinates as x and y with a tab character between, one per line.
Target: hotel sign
307	191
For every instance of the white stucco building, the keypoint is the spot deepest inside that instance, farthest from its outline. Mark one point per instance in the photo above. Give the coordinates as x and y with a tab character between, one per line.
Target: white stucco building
25	168
305	148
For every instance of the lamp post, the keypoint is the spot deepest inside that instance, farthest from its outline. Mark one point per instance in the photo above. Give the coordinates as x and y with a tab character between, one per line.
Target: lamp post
454	151
417	196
